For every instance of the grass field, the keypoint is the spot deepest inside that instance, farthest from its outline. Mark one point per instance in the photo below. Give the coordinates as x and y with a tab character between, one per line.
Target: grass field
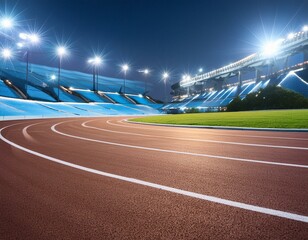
256	119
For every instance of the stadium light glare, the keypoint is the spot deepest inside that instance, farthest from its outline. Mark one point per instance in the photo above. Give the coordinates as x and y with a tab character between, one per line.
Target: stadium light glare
305	28
165	75
146	71
61	51
20	45
53	77
6	53
95	61
200	70
34	38
7	23
291	36
23	36
125	67
271	48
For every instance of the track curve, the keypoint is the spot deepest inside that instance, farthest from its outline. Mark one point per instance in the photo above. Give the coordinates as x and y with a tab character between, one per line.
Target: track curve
106	178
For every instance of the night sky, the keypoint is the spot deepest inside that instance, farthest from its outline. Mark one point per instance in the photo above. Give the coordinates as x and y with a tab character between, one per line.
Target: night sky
175	35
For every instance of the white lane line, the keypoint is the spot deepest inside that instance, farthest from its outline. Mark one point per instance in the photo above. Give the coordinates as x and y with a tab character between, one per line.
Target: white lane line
195	140
125	124
249	207
53	128
27	135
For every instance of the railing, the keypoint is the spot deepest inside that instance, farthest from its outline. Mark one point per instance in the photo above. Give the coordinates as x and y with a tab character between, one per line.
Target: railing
284	45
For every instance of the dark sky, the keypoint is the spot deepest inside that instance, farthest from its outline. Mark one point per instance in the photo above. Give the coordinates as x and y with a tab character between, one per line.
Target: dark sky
177	35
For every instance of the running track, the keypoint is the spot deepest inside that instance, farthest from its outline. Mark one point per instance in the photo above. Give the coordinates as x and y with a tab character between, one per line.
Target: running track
104	178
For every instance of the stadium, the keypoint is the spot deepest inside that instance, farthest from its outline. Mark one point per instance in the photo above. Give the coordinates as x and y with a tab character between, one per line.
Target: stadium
281	63
78	162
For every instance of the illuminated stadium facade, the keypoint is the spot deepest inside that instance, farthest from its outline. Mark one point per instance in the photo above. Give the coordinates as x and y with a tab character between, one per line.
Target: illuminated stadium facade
35	91
283	63
46	91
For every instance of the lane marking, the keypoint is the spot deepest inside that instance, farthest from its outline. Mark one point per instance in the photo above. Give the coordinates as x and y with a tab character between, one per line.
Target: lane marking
127	125
249	207
84	124
53	128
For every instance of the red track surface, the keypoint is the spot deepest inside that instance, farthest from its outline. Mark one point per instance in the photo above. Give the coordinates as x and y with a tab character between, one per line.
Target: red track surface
42	199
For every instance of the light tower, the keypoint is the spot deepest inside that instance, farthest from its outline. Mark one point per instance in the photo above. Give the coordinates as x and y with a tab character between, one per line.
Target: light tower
61	52
96	62
125	68
28	41
165	77
145	71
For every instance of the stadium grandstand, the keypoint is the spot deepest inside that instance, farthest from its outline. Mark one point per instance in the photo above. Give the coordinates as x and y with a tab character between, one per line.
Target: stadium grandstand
281	63
40	94
33	90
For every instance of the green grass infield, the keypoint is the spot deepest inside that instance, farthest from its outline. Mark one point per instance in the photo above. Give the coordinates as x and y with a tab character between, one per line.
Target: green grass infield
254	119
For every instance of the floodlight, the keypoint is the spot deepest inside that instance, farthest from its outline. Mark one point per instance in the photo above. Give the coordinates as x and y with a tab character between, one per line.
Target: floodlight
53	77
61	51
305	28
7	23
97	60
271	49
6	53
165	75
23	36
200	70
291	36
20	45
146	71
34	38
125	67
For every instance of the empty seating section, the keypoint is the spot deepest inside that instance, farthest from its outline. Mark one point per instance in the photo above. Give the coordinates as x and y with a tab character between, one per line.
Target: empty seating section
76	100
118	98
140	99
26	108
90	95
246	89
37	94
64	108
17	108
67	97
293	82
6	91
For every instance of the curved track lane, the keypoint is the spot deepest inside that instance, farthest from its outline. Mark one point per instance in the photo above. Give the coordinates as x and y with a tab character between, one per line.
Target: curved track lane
104	178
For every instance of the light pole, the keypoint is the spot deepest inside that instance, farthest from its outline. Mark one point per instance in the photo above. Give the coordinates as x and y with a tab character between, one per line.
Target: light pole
61	51
96	62
125	68
146	72
165	77
29	39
